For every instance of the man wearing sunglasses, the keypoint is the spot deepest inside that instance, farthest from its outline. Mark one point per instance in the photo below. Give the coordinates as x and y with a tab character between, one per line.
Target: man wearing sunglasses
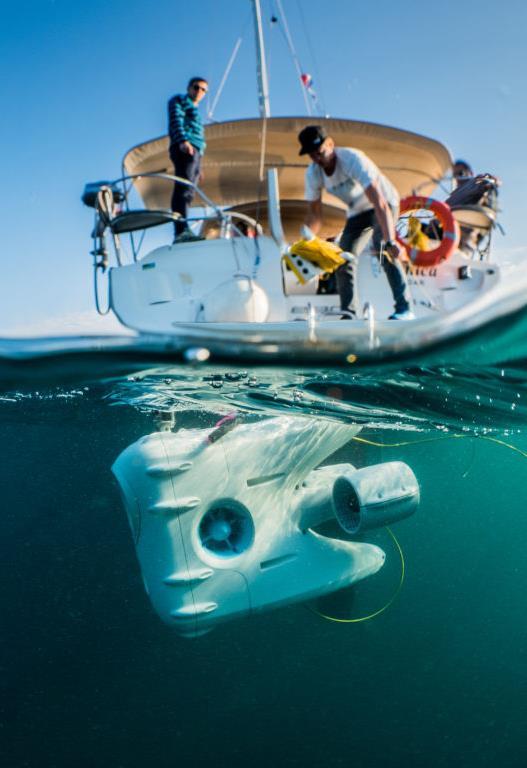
187	145
373	209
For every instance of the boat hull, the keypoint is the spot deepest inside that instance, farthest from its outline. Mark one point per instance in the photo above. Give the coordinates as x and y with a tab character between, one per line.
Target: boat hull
485	327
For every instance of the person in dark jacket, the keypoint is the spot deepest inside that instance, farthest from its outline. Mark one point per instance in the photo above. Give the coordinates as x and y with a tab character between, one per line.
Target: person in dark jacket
187	145
471	190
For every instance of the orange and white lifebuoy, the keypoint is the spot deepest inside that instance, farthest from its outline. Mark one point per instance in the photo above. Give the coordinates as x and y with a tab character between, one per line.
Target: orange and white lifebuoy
449	241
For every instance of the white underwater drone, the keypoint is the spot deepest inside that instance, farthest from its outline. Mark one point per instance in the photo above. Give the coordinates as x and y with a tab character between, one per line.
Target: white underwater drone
223	518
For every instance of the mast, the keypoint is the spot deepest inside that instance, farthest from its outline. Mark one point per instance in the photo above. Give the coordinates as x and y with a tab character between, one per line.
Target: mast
261	68
273	191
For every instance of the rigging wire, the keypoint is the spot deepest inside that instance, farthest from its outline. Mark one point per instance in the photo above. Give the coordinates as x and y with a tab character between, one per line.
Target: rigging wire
321	102
230	64
284	27
224	78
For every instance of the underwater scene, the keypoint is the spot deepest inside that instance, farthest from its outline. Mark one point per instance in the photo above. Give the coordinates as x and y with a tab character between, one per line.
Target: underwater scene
249	565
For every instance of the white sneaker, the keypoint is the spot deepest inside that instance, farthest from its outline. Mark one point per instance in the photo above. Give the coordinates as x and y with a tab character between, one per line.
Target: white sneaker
407	314
186	237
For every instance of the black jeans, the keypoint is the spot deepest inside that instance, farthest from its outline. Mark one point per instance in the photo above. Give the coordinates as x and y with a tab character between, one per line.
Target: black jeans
357	234
187	167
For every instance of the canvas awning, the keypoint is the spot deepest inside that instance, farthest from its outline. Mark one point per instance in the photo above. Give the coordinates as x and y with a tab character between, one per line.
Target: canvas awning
231	164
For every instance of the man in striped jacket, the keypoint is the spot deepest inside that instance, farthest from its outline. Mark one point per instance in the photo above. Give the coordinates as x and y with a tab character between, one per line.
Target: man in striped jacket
187	145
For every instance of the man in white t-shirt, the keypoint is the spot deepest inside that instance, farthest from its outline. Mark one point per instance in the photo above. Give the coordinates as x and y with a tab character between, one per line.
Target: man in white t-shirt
373	209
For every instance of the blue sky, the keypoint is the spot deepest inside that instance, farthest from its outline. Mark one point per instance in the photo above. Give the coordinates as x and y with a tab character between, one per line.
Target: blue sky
83	82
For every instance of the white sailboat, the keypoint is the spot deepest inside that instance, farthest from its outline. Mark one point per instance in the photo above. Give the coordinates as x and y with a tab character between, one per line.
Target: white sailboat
239	292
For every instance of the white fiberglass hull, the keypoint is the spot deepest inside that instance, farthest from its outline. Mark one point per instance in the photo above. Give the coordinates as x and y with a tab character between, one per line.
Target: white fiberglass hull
351	340
192	296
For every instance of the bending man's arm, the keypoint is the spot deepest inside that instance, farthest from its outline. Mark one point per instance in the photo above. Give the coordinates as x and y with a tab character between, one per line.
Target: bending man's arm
384	217
314	216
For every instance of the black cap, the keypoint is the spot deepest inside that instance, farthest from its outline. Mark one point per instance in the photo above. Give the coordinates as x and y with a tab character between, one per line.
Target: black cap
310	138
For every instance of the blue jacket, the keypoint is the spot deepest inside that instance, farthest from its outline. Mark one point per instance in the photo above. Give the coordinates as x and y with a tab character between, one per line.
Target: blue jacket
184	122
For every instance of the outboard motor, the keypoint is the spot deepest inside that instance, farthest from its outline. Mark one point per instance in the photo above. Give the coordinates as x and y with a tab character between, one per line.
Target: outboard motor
223	519
91	192
103	197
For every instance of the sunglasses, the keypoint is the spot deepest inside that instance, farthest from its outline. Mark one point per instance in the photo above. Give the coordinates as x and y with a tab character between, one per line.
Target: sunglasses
199	88
316	150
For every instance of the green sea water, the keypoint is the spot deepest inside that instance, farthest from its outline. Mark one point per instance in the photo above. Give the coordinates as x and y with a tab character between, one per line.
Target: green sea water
92	677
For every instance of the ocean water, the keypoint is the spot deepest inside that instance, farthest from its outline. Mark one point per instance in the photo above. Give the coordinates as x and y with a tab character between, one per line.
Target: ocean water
92	677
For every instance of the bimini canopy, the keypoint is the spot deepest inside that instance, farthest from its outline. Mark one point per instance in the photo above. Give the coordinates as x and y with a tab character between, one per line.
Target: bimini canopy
233	160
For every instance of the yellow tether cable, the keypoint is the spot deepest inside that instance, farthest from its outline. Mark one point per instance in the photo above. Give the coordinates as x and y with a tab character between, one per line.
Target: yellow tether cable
408	442
399	549
444	437
500	442
384	607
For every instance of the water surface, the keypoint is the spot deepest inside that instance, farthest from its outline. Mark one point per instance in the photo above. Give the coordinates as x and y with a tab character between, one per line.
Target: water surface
91	676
